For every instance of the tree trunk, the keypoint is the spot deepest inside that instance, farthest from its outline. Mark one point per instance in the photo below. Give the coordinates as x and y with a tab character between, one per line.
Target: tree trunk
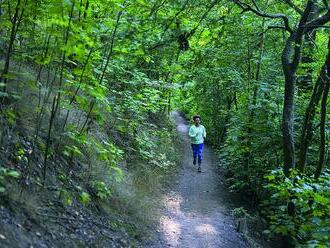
322	155
304	82
306	134
288	111
113	35
322	130
66	39
291	56
3	77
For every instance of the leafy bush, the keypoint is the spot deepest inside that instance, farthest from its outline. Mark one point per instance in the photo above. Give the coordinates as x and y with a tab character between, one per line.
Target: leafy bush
150	146
84	197
309	224
102	190
7	174
65	196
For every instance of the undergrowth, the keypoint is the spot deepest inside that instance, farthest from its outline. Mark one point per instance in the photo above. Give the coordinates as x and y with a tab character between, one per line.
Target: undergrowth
114	165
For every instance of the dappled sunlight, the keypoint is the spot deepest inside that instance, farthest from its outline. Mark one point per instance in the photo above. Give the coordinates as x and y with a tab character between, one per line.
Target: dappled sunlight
173	203
206	229
171	227
171	230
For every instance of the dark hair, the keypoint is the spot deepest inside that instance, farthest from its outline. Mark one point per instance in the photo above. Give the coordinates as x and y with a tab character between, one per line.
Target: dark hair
196	116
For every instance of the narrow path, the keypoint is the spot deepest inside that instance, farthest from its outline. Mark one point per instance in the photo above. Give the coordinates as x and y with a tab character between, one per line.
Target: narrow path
195	213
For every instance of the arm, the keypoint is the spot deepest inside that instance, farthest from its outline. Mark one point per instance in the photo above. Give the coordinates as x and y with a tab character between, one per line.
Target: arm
204	133
191	133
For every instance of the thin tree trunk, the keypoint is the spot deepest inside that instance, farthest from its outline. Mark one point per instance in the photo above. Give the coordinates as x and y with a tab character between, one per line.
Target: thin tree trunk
306	133
66	38
88	116
293	46
79	11
78	88
305	82
15	22
322	129
322	156
223	132
86	9
56	99
111	45
52	116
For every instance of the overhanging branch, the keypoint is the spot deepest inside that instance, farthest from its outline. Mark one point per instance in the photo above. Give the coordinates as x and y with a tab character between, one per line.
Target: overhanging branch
276	27
320	21
245	7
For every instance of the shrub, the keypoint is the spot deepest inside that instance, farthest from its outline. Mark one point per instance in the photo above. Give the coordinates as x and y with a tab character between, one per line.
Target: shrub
309	224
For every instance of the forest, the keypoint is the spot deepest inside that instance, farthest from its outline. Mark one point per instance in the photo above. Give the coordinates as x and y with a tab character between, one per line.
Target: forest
87	88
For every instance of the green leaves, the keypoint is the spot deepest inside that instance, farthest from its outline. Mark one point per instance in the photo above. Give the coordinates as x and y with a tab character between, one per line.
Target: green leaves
5	175
12	174
66	197
311	199
84	198
9	173
102	190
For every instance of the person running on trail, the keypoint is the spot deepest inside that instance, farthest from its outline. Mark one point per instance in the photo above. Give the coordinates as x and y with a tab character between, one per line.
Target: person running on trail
197	134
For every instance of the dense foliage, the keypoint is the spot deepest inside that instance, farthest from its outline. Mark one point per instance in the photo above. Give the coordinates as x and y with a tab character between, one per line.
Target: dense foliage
101	76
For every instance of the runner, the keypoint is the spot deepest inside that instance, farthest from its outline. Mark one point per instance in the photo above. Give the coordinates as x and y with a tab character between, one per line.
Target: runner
197	134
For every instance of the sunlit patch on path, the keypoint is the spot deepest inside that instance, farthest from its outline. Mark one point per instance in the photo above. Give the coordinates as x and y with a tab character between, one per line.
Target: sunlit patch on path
173	224
171	230
173	203
182	128
182	227
206	229
170	226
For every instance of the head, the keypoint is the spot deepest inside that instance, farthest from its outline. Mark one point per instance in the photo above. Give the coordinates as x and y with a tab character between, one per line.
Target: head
197	119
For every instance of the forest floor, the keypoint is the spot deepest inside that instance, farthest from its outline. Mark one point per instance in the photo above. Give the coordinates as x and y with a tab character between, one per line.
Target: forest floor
197	206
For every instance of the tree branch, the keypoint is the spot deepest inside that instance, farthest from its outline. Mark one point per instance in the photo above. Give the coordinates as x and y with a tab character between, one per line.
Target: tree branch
317	26
245	7
156	7
255	5
275	27
207	11
183	8
300	33
318	21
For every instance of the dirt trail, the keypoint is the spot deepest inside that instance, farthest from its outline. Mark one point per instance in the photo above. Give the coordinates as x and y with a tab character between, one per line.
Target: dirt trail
196	213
